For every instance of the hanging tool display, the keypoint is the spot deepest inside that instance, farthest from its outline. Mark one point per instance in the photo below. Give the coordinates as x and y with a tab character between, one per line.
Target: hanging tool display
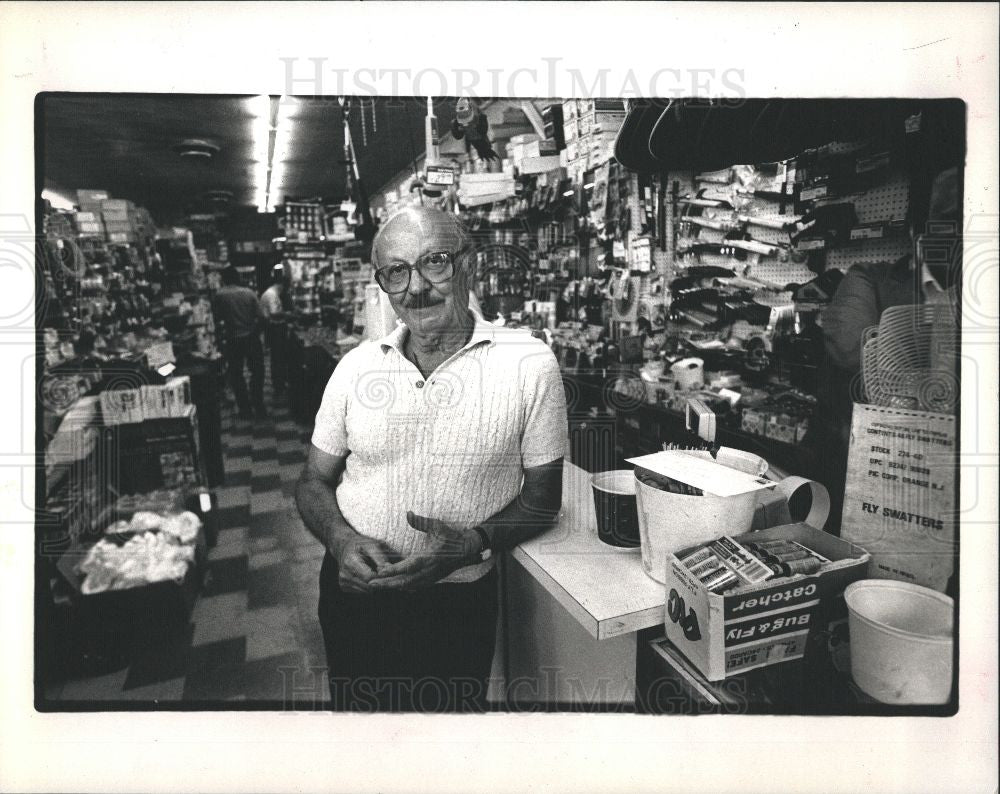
364	229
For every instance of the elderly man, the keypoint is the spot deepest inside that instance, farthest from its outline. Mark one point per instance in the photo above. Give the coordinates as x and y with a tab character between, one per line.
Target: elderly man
435	448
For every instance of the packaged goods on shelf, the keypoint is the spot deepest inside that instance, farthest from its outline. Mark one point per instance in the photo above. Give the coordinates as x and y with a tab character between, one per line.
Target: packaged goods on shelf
122	406
757	624
159	548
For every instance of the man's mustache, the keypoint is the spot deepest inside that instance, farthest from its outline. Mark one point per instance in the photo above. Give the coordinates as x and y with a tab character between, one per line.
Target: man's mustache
422	301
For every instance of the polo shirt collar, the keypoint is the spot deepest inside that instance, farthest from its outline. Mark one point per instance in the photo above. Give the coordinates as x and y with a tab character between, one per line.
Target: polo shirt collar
482	332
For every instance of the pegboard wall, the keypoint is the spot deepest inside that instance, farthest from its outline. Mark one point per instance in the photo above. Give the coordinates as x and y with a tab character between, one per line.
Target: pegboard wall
882	197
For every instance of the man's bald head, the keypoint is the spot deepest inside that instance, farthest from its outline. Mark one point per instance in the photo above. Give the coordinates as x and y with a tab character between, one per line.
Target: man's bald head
427	307
417	231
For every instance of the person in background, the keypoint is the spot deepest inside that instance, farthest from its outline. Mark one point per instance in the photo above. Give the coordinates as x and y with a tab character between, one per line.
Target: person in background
274	303
435	448
929	274
239	312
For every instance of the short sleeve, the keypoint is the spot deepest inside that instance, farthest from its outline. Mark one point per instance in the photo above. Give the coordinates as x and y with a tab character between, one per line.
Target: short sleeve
330	431
853	309
545	427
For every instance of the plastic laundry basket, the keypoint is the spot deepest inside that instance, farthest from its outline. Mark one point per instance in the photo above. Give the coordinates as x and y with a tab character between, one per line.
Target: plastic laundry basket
901	641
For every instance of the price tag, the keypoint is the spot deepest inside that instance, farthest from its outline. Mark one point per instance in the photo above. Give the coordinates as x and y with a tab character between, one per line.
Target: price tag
820	191
873	163
867	232
814	244
440	175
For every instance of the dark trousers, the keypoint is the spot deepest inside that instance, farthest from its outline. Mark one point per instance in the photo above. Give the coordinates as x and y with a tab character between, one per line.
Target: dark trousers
246	350
275	336
429	650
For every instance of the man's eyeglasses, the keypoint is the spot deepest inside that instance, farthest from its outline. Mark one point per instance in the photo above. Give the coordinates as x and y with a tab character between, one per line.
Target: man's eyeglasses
437	267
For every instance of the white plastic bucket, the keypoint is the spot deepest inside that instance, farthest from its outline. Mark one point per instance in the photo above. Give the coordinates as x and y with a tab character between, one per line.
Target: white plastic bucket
901	641
669	522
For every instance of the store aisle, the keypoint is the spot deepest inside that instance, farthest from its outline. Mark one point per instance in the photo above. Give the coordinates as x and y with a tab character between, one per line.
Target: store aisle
253	634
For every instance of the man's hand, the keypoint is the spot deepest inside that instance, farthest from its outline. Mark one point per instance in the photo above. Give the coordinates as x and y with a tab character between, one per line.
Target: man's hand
449	549
358	560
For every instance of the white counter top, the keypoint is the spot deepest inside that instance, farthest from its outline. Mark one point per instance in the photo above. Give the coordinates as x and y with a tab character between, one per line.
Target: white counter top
604	588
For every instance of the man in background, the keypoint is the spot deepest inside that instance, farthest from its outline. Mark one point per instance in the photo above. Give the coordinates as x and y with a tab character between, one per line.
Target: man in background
273	303
239	312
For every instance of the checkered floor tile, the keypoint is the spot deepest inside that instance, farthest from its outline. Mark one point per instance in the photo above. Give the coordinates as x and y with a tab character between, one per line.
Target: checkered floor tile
252	635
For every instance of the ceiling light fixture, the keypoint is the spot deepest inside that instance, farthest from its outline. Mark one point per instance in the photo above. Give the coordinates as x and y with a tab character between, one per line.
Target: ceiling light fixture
282	148
196	148
272	145
260	112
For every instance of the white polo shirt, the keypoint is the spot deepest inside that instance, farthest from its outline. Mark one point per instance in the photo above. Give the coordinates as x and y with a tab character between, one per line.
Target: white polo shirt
452	448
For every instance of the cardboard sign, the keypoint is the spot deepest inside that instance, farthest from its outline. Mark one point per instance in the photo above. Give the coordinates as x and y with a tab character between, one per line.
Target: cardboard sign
899	501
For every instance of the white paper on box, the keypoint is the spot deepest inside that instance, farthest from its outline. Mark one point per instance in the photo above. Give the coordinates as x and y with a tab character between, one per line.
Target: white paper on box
178	392
711	477
154	404
468	179
122	406
539	165
159	353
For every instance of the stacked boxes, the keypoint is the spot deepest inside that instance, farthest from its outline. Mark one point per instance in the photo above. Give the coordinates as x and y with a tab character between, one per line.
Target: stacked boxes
128	406
592	125
304	219
167	401
117	224
122	406
90	200
89	224
118	221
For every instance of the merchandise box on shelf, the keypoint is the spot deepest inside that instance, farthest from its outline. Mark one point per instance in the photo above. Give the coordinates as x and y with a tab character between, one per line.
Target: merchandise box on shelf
728	633
135	616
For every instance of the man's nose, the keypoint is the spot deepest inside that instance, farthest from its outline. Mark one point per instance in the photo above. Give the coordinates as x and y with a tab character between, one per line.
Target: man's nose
418	284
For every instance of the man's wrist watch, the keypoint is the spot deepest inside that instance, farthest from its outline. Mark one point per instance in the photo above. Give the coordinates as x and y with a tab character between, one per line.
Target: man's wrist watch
487	546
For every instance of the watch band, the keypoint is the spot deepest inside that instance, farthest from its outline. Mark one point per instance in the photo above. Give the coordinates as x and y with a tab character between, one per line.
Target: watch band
487	550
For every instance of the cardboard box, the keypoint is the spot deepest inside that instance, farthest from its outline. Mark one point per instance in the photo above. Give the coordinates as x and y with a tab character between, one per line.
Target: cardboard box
121	205
170	400
90	200
724	634
154	402
178	395
122	406
539	165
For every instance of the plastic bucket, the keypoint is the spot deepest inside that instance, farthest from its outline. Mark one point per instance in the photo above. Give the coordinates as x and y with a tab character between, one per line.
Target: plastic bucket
614	504
669	522
901	641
